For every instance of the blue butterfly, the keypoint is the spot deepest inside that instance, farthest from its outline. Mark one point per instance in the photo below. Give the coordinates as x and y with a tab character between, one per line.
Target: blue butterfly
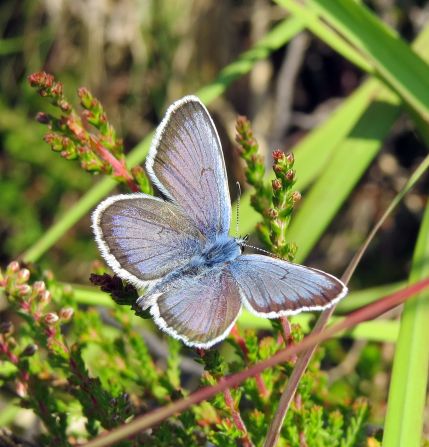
195	275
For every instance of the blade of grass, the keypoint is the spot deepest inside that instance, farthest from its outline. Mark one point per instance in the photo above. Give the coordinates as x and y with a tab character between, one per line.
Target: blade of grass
347	165
395	62
407	393
273	40
318	27
146	421
314	151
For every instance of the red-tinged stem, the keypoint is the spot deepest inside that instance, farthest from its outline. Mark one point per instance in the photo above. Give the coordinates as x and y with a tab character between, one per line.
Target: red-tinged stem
237	418
118	166
260	384
146	421
229	401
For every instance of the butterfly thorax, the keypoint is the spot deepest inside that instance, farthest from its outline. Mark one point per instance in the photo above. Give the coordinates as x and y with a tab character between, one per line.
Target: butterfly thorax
223	249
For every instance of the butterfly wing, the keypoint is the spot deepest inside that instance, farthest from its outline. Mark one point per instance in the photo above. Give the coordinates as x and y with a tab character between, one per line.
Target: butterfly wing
142	238
186	163
272	288
199	309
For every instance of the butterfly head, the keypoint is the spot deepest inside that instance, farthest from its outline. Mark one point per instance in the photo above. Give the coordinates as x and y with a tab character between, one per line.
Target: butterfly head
242	241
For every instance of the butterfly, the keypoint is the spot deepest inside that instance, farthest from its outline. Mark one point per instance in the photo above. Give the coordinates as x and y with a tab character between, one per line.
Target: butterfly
195	276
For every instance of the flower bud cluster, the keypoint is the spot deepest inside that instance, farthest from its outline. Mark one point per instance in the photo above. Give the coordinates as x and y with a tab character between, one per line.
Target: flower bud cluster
33	300
87	136
275	200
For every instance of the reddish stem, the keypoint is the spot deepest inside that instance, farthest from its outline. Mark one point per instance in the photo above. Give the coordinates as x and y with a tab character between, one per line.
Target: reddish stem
260	384
118	166
237	418
287	333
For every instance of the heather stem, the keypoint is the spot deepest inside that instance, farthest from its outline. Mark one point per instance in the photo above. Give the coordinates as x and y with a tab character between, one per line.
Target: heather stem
118	167
260	384
237	418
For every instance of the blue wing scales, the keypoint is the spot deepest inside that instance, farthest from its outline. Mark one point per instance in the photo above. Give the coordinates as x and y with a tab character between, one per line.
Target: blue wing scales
186	163
143	238
271	287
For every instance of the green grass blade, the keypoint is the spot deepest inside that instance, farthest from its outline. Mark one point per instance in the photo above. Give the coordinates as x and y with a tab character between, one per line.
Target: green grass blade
273	40
393	59
360	298
313	152
407	394
318	27
345	168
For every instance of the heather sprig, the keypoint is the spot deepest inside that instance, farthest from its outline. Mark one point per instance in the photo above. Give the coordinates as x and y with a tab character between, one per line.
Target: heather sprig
274	200
87	135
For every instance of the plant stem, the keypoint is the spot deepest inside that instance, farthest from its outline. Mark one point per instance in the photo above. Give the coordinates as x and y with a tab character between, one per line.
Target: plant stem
236	416
118	166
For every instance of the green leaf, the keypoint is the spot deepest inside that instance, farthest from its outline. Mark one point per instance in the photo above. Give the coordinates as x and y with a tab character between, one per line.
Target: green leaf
349	162
407	393
392	59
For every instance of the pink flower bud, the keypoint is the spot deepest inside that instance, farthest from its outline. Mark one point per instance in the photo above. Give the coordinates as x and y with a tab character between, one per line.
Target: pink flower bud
278	155
51	318
13	267
296	196
290	158
23	276
45	297
39	287
290	175
272	213
277	184
66	313
23	289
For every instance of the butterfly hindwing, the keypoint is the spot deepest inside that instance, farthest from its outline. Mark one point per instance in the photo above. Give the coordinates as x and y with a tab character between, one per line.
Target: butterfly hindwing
199	309
186	163
271	287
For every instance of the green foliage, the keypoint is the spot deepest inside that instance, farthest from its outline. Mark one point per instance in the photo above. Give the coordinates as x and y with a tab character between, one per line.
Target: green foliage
98	151
68	364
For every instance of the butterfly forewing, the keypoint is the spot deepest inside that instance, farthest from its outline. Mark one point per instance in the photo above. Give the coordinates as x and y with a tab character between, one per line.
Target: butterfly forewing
272	287
199	309
143	238
187	165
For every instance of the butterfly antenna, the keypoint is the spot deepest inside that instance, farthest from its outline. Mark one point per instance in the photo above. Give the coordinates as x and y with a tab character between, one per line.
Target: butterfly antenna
238	208
272	255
